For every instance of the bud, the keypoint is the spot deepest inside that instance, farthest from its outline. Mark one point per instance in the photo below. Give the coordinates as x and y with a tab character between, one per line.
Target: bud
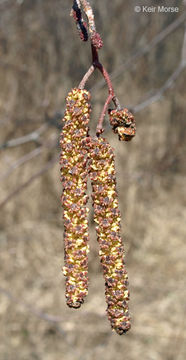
107	218
74	173
123	124
96	40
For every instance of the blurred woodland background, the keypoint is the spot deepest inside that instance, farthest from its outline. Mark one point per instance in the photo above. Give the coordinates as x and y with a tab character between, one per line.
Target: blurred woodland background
41	59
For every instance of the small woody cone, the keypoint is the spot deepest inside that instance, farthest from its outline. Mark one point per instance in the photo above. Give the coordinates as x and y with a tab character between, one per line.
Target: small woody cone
123	124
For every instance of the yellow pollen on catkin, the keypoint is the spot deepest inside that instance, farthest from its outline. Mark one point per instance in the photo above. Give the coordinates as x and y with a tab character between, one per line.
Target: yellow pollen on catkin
74	179
107	218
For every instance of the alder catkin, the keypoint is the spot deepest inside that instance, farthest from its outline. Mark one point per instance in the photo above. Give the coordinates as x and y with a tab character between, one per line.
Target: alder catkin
107	217
74	173
123	123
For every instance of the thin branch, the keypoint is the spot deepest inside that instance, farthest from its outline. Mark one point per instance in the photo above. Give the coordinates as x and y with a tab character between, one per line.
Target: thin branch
183	55
86	77
56	320
15	192
33	136
168	84
99	128
145	50
26	158
22	160
111	96
30	308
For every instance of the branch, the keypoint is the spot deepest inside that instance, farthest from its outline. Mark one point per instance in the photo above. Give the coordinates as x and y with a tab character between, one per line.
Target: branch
22	160
145	50
183	55
26	158
14	193
86	77
33	136
99	128
30	308
168	84
158	95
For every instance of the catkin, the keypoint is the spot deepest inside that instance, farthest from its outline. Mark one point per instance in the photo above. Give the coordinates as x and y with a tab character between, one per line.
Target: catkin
73	162
107	217
123	124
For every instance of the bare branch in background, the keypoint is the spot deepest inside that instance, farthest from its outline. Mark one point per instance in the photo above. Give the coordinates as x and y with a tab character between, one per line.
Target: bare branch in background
21	161
29	156
30	308
158	95
168	84
15	192
183	56
33	136
56	320
145	50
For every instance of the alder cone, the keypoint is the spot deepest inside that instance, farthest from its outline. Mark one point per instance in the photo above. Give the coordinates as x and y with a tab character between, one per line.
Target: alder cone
123	123
73	161
107	218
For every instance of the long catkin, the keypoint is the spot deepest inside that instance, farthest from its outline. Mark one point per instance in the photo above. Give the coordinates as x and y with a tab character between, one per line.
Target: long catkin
74	173
107	217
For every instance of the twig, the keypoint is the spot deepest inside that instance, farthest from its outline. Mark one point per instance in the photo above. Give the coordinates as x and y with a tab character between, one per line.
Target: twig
168	84
145	50
111	96
183	55
86	77
22	160
99	128
96	64
29	156
30	308
33	136
161	91
96	44
14	193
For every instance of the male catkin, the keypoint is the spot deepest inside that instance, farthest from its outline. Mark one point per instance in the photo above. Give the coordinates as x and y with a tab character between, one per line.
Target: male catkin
107	217
74	173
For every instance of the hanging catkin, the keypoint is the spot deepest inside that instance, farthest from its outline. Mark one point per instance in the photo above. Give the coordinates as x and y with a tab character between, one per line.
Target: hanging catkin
107	217
73	162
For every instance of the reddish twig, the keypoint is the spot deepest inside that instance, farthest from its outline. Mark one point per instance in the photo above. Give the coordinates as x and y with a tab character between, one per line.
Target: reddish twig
111	96
99	128
143	51
86	77
96	44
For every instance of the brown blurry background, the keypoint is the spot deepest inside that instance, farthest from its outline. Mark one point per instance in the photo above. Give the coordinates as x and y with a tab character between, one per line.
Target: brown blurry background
41	59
